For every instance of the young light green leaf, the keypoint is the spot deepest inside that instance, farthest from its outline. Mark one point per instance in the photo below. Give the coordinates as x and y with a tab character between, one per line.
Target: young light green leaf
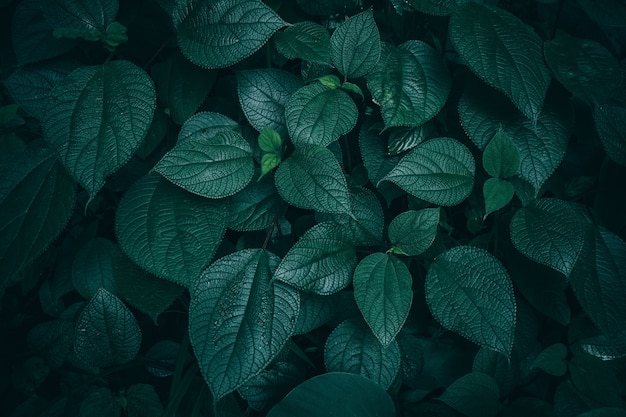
92	268
238	319
382	290
355	45
473	395
270	141
168	231
182	86
611	126
97	117
206	125
142	401
469	292
255	207
311	178
440	171
304	40
352	88
318	115
36	202
605	12
269	161
220	33
86	19
549	231
497	194
586	68
322	261
338	393
263	94
501	158
330	80
106	332
552	360
212	167
410	83
599	279
353	348
413	231
504	52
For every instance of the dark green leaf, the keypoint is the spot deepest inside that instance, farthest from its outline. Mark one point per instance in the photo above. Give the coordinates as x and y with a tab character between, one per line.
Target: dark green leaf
410	84
611	127
322	261
436	7
504	52
382	290
168	231
263	94
315	311
607	348
413	231
270	386
206	125
239	320
97	117
212	167
219	33
353	348
329	7
440	171
84	18
143	401
100	402
497	193
318	115
93	267
469	292
549	231
604	412
311	178
304	40
53	341
106	332
605	12
355	45
255	207
501	158
597	380
377	161
474	395
406	138
552	360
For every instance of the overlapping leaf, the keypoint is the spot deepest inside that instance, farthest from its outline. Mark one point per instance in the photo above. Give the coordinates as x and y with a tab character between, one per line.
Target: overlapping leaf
92	267
413	231
474	395
219	33
305	40
436	7
168	231
238	319
255	207
611	126
206	125
80	18
97	117
315	311
504	52
469	292
355	45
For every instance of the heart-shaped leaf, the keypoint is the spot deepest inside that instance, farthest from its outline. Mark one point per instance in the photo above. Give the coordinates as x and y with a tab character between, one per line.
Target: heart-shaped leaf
239	320
304	40
469	292
501	158
355	45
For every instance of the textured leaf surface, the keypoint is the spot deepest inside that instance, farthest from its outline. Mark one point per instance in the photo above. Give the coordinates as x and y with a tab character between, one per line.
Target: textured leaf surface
206	124
411	83
584	67
342	393
311	178
353	348
97	117
469	292
319	115
413	231
504	52
106	332
406	138
80	17
263	94
212	167
36	202
377	161
255	207
606	348
93	267
304	40
440	171
474	395
167	231
497	194
501	158
355	45
382	290
322	261
549	231
611	127
219	33
599	279
315	311
239	320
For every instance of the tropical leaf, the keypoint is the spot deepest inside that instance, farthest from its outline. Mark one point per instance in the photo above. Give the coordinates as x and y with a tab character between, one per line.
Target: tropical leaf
304	40
413	231
355	45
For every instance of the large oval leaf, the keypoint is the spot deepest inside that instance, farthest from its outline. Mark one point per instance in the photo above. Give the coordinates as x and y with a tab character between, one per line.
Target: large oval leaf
238	320
353	348
382	290
322	261
611	126
413	231
305	40
213	167
97	117
36	202
549	231
503	51
263	94
355	45
168	231
311	178
335	393
410	83
469	292
106	332
319	115
440	171
219	33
